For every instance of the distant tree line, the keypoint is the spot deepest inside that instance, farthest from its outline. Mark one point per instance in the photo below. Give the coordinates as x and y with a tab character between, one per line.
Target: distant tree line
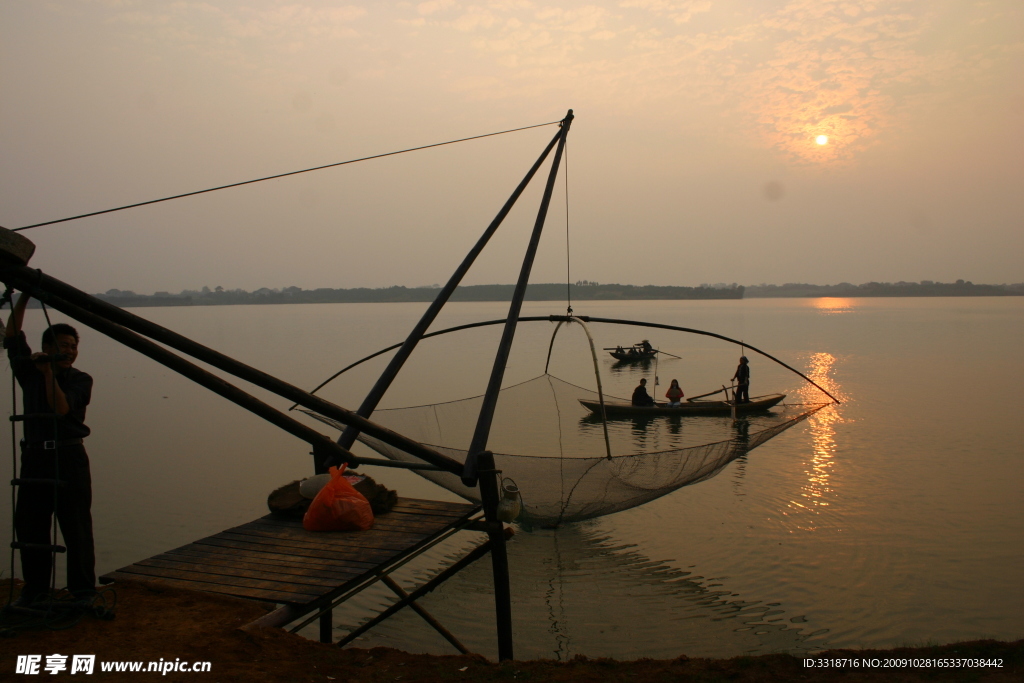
922	288
296	295
582	290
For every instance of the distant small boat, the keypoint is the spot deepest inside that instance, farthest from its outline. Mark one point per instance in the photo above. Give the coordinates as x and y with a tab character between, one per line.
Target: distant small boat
636	352
617	409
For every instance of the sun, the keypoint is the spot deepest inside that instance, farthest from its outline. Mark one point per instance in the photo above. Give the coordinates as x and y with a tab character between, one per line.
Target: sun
821	139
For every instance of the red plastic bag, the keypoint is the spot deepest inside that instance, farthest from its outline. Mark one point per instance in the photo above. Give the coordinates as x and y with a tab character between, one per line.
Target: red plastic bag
338	507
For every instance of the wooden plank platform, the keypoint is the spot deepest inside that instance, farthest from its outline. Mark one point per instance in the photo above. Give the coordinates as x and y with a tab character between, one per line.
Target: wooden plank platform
276	560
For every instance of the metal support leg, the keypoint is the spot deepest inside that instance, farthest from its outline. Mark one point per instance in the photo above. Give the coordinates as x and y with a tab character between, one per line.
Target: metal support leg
499	554
327	626
427	616
470	557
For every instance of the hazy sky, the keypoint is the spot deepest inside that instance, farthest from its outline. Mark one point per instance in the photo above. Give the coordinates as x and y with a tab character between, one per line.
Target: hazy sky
693	157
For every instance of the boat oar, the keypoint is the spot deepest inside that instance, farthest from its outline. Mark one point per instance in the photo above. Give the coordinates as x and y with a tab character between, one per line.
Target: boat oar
710	393
669	354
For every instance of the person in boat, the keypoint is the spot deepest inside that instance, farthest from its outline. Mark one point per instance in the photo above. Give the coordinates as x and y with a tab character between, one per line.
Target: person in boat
647	348
742	379
51	450
619	349
674	393
640	395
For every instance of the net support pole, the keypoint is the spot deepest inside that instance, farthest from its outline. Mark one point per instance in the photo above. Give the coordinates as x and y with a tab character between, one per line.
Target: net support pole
193	372
479	461
369	404
39	284
327	627
483	424
489	497
600	389
597	373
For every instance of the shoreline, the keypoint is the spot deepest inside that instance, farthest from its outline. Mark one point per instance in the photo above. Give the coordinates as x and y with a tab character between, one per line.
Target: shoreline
558	292
155	622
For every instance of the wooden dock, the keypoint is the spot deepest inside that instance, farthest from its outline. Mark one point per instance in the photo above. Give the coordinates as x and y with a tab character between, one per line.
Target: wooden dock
277	561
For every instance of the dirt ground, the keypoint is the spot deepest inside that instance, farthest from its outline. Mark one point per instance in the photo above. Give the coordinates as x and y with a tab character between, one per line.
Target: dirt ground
155	622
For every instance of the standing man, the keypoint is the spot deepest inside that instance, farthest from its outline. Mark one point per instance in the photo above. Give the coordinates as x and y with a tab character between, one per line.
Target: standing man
55	397
742	379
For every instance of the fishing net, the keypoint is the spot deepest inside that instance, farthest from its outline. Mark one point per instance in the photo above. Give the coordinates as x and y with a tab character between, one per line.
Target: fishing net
554	448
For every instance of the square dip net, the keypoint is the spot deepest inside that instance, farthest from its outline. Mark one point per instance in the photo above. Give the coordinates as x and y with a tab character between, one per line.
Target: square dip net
553	448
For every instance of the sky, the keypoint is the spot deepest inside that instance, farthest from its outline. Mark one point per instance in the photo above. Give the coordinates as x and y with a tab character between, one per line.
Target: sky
694	156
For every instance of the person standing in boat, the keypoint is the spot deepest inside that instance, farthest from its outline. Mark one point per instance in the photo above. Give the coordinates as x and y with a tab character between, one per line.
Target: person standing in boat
640	395
742	379
674	393
55	397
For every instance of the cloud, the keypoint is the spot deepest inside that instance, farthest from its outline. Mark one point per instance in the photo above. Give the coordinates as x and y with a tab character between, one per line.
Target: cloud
775	72
678	12
230	30
434	6
834	69
474	19
782	72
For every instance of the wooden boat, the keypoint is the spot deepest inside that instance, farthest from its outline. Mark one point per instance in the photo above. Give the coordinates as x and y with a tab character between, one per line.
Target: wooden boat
618	409
629	357
634	353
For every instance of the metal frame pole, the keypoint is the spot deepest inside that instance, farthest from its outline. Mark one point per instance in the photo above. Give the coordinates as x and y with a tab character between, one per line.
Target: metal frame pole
587	319
327	627
469	558
320	442
368	405
499	553
481	462
483	425
27	279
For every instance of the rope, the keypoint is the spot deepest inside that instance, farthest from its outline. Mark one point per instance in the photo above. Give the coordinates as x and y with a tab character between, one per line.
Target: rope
568	499
568	287
654	385
561	450
282	175
14	451
14	456
56	448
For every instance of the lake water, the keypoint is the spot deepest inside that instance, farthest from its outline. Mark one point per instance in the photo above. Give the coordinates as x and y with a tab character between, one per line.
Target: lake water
894	518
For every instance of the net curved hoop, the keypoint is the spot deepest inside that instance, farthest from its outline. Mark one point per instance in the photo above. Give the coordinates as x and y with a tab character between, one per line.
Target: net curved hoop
597	373
558	318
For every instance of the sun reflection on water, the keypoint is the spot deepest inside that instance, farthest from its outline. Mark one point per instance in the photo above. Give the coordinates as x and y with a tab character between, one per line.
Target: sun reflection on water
833	305
817	493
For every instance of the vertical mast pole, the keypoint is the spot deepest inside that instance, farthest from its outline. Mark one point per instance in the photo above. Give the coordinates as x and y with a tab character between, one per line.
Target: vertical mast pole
387	377
483	425
480	466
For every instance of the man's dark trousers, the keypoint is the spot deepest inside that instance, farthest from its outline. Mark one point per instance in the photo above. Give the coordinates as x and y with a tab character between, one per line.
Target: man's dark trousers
72	503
